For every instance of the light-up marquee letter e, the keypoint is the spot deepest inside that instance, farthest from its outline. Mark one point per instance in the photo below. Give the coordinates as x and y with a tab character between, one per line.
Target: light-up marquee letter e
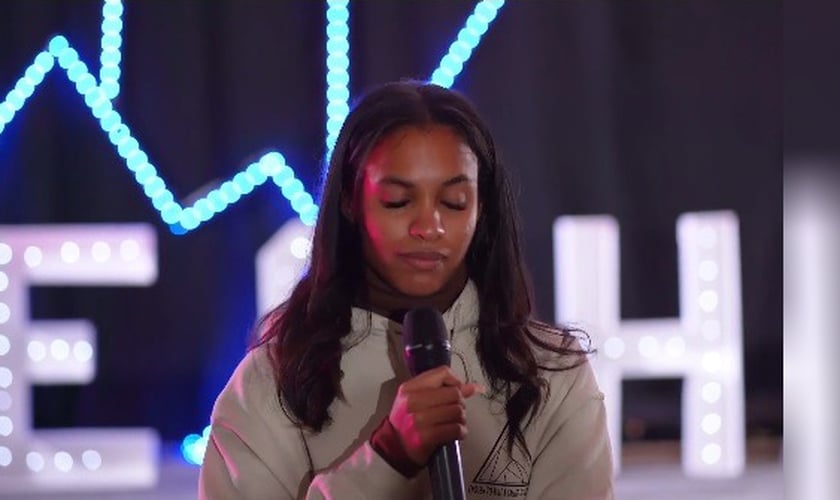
63	351
703	346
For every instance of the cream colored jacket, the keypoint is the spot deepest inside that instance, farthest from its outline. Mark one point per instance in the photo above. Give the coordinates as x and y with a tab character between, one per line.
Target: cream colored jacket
255	452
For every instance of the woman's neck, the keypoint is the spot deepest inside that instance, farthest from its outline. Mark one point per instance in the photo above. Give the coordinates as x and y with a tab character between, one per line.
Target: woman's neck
381	297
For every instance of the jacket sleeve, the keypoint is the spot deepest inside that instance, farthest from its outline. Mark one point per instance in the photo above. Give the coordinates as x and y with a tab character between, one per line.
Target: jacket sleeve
362	476
256	452
576	459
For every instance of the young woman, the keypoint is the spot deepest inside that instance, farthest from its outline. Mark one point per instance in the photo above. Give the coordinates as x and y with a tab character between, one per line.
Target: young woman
416	210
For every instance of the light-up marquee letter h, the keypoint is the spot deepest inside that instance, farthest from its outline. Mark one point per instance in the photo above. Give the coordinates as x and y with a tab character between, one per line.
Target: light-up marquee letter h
63	351
703	345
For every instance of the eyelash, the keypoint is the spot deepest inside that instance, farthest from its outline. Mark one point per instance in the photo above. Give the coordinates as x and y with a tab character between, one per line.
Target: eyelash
455	206
401	204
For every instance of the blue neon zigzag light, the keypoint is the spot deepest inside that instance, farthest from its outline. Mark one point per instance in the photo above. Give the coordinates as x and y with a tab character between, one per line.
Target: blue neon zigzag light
99	96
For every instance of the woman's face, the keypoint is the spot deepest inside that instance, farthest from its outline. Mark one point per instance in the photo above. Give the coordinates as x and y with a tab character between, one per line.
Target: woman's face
419	205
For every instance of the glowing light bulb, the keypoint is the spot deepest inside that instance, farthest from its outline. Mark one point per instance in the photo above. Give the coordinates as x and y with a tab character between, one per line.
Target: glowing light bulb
5	313
5	254
711	392
648	346
33	256
91	459
37	350
82	351
614	347
708	270
100	251
5	456
6	426
35	461
675	347
712	362
711	453
129	250
300	247
711	423
5	401
710	329
708	300
70	252
5	377
60	349
708	237
63	461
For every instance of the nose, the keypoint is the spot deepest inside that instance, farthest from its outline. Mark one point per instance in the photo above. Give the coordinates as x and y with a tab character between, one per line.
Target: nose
427	224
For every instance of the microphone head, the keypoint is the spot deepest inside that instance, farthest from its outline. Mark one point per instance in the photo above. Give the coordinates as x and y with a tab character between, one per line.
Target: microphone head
425	340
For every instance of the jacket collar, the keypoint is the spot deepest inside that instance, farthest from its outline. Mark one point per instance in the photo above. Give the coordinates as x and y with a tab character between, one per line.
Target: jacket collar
463	314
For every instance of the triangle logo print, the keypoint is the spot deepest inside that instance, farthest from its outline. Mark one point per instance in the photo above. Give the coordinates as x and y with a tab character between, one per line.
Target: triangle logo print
504	471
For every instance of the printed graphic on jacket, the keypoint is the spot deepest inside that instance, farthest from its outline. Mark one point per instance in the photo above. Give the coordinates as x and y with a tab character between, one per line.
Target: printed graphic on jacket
503	475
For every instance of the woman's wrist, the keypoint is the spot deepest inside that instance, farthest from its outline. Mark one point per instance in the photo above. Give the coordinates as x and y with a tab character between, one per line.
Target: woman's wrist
387	443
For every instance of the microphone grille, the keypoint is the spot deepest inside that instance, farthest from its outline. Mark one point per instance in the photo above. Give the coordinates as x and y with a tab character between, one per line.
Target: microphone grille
423	326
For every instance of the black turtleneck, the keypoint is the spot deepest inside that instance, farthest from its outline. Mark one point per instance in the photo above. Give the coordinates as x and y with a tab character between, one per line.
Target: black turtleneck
381	297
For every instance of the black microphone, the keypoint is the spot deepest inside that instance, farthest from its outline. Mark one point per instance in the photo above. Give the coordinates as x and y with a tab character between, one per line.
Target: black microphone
426	346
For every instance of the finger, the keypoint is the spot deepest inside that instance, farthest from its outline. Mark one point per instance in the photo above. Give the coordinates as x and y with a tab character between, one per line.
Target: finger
439	415
435	377
438	435
471	389
428	398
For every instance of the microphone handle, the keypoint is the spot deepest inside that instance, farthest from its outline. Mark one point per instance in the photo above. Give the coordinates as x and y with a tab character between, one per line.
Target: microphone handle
445	471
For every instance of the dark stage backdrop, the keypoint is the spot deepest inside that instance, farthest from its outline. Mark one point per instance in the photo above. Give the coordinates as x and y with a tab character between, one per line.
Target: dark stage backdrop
638	109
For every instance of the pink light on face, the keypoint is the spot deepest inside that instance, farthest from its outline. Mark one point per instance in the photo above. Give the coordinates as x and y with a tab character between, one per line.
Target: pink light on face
419	208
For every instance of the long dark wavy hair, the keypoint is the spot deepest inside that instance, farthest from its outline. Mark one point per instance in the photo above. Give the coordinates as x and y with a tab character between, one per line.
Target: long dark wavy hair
304	334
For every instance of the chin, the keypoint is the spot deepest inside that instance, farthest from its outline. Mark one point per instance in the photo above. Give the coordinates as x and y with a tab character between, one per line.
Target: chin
421	287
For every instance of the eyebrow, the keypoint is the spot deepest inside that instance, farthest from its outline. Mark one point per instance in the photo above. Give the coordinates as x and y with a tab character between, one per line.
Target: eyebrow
396	181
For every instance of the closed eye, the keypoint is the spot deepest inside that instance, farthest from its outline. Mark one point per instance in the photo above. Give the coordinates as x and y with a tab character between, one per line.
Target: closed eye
395	204
454	206
402	203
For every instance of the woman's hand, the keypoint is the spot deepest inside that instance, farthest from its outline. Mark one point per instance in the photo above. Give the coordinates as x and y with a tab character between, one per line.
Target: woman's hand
429	411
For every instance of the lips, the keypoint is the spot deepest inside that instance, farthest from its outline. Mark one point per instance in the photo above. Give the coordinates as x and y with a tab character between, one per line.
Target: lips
423	261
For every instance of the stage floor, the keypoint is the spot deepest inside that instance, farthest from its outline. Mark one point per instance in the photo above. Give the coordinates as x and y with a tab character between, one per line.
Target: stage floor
651	471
